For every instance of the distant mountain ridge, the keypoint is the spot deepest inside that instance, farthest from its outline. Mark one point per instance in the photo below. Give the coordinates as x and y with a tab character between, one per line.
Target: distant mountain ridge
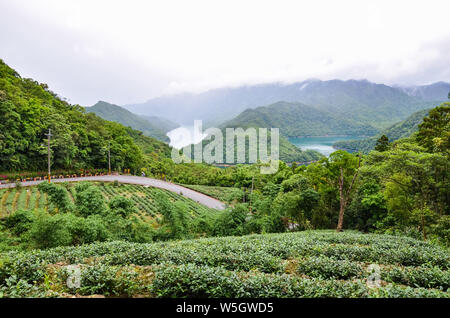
434	92
151	126
378	105
296	120
161	123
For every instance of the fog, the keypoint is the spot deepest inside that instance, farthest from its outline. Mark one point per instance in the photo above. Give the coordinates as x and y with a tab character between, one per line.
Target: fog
127	52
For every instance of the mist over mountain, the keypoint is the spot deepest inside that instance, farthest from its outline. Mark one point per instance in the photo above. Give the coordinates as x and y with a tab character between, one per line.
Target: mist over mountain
378	105
161	123
434	92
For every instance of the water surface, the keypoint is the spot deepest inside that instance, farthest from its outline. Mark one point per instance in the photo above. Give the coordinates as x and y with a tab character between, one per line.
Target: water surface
321	144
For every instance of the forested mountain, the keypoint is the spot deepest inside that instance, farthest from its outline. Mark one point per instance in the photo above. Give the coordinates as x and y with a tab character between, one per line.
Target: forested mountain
296	119
434	92
287	151
404	128
359	100
152	126
80	140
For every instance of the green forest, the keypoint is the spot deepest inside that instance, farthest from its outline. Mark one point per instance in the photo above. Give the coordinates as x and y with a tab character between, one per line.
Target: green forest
150	126
402	129
28	109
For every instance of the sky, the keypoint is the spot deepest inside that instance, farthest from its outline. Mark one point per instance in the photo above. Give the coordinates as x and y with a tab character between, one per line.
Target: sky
130	51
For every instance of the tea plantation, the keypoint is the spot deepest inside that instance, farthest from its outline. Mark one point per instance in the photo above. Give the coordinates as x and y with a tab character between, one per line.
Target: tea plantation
30	198
300	264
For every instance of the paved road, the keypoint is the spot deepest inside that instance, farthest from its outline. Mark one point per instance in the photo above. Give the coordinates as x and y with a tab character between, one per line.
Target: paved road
188	193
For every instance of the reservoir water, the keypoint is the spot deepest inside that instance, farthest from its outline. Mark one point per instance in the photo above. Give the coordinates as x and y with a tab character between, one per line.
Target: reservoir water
321	144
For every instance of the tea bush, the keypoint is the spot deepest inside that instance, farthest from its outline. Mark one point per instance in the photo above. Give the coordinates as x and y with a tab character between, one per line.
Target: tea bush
301	264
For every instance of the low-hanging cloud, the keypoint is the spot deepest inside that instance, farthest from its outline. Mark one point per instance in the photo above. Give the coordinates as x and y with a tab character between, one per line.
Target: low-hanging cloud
127	52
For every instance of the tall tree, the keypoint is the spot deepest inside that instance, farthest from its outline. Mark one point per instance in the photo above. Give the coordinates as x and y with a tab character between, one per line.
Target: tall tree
434	131
382	144
342	172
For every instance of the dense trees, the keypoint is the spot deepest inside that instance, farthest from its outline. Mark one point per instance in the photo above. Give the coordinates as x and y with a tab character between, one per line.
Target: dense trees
434	132
28	109
399	130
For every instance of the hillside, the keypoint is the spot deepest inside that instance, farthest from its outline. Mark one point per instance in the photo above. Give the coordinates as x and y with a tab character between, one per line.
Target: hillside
144	198
399	130
151	126
377	105
287	151
296	119
293	265
433	92
161	123
80	140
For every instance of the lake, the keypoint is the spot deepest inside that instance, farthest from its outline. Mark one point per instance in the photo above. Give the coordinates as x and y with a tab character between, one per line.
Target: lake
321	144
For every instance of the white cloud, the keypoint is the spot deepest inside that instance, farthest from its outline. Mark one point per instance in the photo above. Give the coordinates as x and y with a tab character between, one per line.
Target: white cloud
129	51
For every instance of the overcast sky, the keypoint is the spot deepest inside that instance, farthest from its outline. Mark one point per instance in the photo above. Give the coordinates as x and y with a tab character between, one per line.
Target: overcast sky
130	51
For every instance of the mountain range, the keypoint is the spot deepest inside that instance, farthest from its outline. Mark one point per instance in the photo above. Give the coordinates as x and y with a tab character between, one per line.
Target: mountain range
360	101
297	120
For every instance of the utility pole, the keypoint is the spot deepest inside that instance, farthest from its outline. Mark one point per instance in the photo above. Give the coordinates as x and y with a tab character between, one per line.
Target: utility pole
109	157
251	192
49	135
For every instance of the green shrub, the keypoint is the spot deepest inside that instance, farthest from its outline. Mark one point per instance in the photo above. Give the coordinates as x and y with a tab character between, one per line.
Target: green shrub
87	230
175	219
18	185
20	222
326	268
231	222
89	200
57	196
428	277
122	206
49	231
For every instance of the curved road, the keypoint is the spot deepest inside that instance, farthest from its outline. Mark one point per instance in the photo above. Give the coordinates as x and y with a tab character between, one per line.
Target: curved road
188	193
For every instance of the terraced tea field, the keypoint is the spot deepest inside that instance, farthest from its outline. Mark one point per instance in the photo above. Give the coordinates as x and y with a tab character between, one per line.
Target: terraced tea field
30	198
14	199
302	264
